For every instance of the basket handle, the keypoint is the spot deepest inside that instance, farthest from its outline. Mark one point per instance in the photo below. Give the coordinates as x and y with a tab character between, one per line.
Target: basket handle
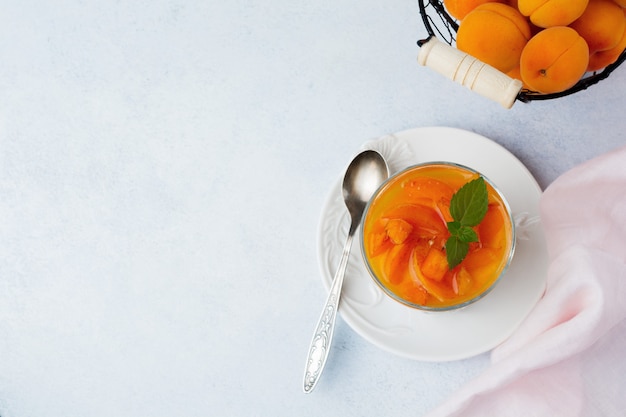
469	71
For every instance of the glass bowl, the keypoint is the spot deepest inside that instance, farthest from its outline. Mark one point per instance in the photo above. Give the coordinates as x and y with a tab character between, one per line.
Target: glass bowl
404	239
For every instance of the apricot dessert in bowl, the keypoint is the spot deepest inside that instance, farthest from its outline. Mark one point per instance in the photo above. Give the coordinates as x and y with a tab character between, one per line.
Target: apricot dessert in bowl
437	236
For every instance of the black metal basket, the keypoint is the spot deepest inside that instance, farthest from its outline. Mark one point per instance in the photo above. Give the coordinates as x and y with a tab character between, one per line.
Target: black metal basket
440	24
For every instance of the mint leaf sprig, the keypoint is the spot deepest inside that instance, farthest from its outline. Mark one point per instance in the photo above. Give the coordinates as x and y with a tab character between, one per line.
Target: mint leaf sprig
468	207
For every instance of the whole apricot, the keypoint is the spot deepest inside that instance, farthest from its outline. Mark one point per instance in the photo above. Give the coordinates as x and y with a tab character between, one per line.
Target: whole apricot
516	73
602	25
601	59
460	8
554	60
548	13
494	33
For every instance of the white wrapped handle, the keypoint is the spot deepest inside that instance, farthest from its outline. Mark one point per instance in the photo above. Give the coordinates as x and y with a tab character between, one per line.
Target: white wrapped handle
469	71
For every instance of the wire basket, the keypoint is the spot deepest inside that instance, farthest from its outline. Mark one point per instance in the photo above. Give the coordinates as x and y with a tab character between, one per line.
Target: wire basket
439	24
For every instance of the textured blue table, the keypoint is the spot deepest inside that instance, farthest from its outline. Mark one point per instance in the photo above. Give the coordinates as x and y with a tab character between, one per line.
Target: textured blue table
163	166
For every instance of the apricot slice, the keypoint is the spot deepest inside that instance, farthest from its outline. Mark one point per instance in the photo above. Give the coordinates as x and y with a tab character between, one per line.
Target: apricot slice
420	217
480	258
417	295
435	264
462	282
554	60
420	250
495	33
378	243
491	230
428	189
482	264
438	289
431	193
396	264
412	292
398	230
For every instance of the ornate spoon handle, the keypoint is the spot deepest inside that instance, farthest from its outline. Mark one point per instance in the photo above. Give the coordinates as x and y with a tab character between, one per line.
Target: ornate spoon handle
320	344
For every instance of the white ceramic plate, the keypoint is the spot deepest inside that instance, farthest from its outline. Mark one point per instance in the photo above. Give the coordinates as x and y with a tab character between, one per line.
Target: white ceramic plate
442	336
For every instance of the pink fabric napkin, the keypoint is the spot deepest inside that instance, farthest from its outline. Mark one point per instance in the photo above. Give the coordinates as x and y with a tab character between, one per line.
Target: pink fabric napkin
568	358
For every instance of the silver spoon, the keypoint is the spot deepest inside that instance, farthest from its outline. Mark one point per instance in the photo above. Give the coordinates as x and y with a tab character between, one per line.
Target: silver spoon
367	171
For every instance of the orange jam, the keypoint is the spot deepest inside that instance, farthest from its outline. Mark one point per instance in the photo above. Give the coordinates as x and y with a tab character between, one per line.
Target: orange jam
405	232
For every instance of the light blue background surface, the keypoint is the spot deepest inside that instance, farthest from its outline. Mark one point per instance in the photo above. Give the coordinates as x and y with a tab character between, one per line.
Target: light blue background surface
163	165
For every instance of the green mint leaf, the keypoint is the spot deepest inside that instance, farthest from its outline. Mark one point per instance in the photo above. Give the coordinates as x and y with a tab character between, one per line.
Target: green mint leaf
468	207
454	227
467	234
456	250
469	204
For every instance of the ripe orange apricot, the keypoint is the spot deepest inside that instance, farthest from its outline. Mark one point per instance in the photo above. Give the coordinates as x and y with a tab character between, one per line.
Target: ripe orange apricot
601	59
494	33
460	8
517	74
554	60
601	25
548	13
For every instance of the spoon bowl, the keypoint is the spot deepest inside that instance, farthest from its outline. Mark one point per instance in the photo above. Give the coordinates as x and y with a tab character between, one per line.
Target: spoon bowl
364	175
367	171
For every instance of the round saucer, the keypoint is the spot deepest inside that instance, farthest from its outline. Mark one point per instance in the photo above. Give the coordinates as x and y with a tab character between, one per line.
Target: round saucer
453	335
